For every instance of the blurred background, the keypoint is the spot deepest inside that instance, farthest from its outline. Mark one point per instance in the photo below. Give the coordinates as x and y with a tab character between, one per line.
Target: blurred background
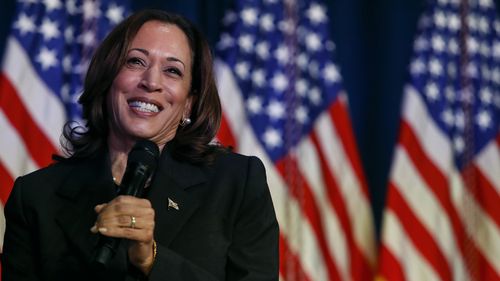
374	45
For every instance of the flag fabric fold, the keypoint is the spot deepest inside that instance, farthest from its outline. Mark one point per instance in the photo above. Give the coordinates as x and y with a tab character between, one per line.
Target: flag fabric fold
46	57
442	215
283	101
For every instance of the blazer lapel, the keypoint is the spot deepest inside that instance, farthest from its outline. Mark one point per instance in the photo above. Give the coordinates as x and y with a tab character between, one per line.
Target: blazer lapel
172	197
88	184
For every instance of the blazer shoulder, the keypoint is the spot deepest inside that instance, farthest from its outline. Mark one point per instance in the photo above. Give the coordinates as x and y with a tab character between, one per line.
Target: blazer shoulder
60	167
233	160
48	178
48	173
243	169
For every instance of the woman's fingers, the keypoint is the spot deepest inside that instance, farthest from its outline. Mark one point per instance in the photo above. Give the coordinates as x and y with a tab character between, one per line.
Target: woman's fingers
129	218
140	235
125	217
99	207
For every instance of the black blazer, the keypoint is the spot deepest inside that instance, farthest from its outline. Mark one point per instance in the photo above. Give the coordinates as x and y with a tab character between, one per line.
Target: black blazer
224	227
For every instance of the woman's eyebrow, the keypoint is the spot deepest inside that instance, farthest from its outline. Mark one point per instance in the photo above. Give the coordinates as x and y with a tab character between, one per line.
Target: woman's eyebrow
146	52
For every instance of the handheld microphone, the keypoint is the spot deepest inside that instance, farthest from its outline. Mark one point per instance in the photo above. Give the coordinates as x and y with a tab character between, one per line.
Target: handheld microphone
141	163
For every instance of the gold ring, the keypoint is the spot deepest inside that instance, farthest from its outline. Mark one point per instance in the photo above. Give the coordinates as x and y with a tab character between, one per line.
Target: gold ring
132	222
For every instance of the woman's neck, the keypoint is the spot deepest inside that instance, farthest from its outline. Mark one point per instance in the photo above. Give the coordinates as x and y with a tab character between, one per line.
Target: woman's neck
119	148
118	153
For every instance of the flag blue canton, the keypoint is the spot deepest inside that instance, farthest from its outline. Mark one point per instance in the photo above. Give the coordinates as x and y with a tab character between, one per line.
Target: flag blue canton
283	62
60	37
456	70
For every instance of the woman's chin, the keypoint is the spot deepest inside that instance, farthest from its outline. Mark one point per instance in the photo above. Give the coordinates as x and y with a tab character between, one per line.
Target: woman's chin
152	135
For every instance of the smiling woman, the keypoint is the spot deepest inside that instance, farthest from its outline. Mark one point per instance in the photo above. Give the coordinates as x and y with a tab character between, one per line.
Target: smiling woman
206	214
150	95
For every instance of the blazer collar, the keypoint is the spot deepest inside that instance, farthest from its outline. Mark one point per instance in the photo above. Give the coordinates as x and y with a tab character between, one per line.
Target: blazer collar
175	193
182	173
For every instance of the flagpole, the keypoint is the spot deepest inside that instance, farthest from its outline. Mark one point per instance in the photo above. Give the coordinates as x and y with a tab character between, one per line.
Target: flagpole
467	102
292	131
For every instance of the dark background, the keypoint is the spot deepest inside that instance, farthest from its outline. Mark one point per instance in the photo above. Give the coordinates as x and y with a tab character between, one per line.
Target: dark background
374	44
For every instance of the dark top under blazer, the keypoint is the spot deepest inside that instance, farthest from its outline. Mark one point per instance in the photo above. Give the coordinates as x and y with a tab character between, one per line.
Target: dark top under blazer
225	227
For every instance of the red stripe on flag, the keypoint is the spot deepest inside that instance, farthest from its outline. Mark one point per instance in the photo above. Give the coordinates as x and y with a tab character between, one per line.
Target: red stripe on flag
37	143
486	195
418	234
439	185
360	268
389	266
300	189
340	116
6	183
225	135
290	266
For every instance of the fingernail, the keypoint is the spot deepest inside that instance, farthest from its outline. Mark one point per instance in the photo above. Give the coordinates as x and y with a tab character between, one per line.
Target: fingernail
102	229
93	229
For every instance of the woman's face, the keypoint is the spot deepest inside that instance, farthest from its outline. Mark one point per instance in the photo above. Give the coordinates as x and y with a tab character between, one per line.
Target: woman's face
150	94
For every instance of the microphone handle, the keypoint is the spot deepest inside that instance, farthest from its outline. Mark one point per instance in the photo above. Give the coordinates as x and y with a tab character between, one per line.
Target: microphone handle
133	183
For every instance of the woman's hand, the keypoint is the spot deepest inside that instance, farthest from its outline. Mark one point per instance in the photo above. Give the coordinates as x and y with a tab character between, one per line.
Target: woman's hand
131	218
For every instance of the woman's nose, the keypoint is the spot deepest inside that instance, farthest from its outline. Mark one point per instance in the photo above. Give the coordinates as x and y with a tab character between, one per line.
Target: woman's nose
151	80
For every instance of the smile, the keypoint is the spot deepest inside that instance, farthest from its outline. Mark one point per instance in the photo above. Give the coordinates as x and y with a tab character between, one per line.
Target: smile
144	106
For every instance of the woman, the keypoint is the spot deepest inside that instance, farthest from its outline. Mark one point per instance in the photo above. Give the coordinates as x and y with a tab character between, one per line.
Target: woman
207	214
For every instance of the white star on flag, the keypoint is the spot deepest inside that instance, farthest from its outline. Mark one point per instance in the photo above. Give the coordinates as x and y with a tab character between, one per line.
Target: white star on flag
51	5
276	110
249	16
25	24
267	22
272	138
47	58
316	14
49	29
279	82
115	13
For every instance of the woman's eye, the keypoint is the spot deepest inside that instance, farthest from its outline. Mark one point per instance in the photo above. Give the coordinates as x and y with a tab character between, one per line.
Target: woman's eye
135	62
174	70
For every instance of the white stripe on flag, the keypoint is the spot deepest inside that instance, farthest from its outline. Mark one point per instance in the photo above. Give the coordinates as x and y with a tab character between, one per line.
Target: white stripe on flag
309	165
230	97
415	267
416	114
13	154
45	108
357	204
478	225
428	210
488	161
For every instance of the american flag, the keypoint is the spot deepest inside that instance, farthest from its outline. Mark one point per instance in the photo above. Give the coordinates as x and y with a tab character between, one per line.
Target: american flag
47	53
283	100
442	217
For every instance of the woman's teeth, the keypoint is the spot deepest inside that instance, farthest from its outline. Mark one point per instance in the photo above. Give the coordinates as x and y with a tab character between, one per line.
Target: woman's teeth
144	106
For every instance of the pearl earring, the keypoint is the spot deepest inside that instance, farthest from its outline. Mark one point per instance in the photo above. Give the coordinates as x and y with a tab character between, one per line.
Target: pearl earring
185	121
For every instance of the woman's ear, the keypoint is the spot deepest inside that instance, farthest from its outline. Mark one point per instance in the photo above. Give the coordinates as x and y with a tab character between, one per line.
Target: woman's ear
188	106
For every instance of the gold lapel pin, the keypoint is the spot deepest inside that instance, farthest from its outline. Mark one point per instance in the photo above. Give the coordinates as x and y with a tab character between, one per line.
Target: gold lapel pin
172	204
